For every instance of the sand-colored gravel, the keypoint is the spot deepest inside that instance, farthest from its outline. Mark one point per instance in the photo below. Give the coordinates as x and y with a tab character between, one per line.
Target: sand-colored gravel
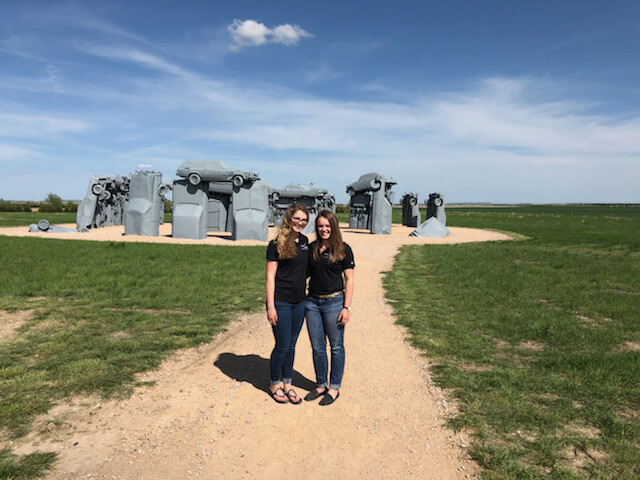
208	415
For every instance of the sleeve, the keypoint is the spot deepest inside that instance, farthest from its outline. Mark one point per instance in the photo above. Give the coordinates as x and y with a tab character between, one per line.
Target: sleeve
348	261
272	252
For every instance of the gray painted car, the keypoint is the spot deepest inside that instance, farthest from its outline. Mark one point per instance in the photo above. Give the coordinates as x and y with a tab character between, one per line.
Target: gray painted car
214	171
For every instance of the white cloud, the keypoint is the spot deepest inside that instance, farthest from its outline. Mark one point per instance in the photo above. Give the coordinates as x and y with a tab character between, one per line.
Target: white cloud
288	34
26	125
134	55
11	154
249	33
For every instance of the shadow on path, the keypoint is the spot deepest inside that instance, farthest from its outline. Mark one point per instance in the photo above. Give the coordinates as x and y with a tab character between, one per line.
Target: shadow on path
254	369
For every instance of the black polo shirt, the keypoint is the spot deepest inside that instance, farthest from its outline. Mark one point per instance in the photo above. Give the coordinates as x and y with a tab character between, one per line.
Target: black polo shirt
291	276
326	277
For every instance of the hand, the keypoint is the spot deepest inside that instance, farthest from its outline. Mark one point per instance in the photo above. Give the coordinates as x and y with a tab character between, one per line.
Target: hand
343	318
272	316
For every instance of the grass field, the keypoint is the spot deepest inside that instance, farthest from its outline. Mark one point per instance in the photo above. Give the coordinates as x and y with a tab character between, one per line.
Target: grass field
538	340
19	219
97	313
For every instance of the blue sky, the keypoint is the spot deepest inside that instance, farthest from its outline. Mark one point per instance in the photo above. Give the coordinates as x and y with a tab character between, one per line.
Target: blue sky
483	101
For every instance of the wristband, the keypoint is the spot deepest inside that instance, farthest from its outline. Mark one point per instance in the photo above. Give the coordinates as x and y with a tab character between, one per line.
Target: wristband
348	308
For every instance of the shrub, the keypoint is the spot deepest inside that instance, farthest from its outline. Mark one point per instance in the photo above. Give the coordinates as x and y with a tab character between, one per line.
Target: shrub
6	206
54	203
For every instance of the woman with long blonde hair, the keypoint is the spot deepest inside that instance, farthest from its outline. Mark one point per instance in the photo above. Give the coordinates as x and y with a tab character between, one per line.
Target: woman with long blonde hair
328	306
287	258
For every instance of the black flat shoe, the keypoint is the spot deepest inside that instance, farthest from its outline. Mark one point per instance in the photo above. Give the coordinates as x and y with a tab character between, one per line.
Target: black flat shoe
328	399
313	394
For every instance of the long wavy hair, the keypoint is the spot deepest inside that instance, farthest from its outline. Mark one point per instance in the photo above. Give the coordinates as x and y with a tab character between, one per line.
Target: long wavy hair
336	245
285	242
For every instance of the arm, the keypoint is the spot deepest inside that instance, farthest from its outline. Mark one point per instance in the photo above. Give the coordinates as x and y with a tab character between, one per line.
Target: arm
349	283
272	315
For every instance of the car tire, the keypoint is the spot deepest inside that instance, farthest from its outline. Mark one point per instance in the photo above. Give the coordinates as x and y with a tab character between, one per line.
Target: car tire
97	189
237	180
163	189
194	179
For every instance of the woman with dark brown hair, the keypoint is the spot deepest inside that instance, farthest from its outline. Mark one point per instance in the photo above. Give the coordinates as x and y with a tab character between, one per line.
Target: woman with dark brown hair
328	306
287	258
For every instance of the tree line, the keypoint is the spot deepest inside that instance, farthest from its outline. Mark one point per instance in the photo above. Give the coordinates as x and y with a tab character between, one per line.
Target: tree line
53	203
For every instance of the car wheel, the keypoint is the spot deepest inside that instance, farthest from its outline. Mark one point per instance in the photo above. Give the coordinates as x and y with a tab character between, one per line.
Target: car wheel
97	189
43	225
194	179
163	189
237	180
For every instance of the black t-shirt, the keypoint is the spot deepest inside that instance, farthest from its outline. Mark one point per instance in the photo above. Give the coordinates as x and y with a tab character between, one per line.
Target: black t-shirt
291	276
326	277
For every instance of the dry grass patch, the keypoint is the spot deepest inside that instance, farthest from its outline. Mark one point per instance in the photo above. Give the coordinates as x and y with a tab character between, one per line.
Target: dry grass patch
121	335
531	345
36	299
11	321
584	431
628	347
590	322
629	413
150	311
620	291
577	457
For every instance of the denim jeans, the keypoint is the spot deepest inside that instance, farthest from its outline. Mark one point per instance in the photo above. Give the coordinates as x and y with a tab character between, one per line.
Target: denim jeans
286	331
322	322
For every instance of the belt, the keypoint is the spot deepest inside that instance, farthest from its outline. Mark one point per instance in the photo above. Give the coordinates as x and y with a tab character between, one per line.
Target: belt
330	295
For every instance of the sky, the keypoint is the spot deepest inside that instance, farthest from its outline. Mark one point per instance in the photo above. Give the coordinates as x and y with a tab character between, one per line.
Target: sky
498	101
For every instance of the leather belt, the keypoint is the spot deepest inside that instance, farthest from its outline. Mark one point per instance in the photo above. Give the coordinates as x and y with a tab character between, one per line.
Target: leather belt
330	295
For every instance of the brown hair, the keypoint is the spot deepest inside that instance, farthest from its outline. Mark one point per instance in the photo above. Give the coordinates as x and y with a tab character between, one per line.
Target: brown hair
336	245
285	242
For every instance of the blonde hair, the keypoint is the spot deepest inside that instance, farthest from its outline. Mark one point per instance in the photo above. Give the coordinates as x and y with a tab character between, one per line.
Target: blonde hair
336	245
285	242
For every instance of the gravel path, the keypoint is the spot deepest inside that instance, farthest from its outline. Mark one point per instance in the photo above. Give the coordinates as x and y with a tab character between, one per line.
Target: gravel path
209	415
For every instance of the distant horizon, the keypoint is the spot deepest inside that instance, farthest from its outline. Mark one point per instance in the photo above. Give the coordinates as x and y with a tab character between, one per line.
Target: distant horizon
421	203
530	102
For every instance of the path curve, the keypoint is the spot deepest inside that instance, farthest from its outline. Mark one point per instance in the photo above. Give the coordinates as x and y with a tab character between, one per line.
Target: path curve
209	416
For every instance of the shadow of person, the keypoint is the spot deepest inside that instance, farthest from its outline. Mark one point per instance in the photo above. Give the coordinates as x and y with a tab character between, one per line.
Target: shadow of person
254	369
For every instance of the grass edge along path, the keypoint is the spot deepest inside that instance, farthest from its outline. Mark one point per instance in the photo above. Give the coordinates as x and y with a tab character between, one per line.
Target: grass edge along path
96	314
537	340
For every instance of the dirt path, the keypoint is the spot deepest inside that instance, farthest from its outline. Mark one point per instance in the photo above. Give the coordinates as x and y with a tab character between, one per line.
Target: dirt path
209	416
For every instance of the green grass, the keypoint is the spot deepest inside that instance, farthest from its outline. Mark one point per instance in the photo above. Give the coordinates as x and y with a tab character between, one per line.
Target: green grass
103	312
536	339
29	466
22	219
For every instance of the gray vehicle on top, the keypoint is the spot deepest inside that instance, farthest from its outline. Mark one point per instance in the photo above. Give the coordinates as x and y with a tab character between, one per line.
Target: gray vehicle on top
213	171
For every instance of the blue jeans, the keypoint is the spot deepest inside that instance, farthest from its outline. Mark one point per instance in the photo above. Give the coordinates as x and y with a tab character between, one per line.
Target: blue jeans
286	331
322	322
